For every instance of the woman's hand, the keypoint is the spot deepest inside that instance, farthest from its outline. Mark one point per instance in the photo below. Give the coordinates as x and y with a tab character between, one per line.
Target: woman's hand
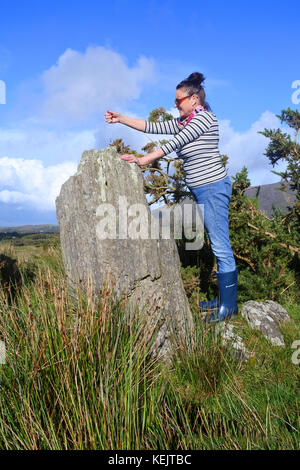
146	159
112	117
130	158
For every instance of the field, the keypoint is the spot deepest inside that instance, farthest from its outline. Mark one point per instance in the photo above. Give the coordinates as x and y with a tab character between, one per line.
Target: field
77	376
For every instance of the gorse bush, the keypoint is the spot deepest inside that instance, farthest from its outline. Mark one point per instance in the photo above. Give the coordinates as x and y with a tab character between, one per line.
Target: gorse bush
267	252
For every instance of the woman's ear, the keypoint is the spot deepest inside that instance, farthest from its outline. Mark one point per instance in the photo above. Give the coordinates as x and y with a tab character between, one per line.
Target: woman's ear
196	101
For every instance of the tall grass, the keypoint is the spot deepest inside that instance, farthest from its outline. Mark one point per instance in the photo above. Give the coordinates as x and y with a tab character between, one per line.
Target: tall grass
80	376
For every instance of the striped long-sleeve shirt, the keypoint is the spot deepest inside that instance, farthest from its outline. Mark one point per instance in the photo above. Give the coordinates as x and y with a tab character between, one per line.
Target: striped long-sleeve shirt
197	144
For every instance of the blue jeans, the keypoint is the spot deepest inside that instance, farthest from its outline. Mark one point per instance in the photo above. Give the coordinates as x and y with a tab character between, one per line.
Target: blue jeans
216	198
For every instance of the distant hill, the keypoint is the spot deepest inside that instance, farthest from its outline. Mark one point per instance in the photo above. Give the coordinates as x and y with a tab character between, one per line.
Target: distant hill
270	195
31	229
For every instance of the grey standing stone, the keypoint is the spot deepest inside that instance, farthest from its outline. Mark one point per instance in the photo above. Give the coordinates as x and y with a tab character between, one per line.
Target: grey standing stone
145	271
266	317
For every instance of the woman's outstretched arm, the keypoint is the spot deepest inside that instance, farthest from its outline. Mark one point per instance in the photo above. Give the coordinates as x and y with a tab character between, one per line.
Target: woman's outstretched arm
164	127
113	117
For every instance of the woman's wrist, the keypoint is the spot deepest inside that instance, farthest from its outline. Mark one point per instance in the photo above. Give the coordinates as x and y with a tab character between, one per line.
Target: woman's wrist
121	118
141	161
151	157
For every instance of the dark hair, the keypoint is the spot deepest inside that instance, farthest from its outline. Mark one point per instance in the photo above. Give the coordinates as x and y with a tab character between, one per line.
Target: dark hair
193	86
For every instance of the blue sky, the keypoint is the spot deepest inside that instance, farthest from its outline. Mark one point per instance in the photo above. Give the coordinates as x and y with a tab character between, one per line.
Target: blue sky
64	63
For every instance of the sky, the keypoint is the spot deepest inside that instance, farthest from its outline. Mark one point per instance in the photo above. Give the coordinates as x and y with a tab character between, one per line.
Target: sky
64	63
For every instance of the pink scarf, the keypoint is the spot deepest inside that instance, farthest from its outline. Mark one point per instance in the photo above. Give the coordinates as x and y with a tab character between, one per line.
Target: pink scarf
187	120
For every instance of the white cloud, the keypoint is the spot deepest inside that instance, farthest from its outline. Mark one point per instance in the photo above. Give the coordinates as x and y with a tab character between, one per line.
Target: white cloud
81	84
29	183
247	149
29	139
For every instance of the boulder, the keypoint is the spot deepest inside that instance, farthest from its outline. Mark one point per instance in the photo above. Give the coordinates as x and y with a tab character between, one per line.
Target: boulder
266	316
108	236
234	341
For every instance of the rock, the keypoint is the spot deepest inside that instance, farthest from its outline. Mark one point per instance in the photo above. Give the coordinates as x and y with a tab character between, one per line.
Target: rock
10	274
266	317
234	341
105	233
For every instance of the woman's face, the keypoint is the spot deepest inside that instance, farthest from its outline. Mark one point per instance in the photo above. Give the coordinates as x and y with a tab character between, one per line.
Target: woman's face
187	106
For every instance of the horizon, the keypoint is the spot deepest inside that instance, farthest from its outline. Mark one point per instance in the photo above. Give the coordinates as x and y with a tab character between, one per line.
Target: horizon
156	208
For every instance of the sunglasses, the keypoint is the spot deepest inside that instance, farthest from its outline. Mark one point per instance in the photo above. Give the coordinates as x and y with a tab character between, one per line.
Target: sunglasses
179	101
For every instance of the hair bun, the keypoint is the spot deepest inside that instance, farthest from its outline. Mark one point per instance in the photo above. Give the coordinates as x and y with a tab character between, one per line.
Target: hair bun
196	77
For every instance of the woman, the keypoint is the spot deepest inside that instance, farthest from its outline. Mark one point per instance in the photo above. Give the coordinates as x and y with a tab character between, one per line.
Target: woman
196	140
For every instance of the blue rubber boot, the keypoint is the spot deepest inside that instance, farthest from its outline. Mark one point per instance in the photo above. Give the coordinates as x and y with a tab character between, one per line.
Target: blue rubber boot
210	304
227	283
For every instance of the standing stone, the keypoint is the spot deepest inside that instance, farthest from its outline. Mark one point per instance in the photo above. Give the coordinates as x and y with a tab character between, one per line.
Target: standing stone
105	232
